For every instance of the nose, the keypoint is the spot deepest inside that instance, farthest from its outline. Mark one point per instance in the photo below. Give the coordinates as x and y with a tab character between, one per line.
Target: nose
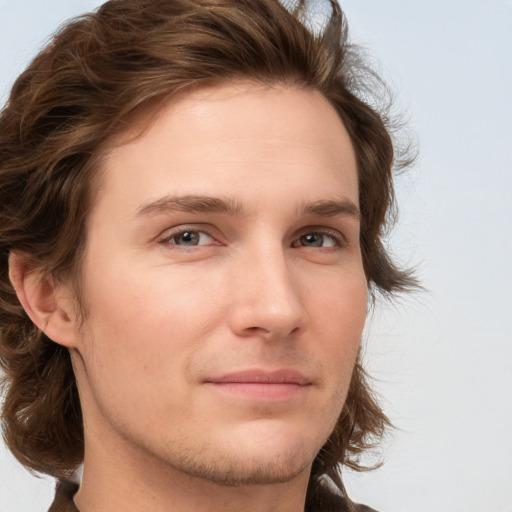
267	299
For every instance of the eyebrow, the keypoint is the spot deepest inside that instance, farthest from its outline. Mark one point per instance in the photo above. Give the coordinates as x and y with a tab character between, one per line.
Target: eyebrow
331	208
199	203
191	203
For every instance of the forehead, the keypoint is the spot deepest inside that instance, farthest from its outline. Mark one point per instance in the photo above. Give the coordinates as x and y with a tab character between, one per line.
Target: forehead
226	135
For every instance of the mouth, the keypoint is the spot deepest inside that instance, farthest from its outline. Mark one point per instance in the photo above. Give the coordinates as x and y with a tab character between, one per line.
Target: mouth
262	385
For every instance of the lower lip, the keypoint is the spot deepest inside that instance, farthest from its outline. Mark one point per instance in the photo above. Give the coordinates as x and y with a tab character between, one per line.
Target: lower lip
271	392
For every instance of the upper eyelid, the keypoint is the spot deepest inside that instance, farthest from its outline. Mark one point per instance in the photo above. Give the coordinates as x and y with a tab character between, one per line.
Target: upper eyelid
335	233
172	232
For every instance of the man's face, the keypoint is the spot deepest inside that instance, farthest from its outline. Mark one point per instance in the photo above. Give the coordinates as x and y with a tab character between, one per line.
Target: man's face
224	285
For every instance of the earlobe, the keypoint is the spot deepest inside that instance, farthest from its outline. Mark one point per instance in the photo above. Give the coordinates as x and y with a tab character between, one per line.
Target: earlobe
43	299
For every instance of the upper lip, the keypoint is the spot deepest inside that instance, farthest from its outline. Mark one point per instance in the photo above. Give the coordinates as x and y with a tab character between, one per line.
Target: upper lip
261	376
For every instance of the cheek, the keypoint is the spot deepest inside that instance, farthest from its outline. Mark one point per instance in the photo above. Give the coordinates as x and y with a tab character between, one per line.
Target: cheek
150	324
138	344
339	320
342	303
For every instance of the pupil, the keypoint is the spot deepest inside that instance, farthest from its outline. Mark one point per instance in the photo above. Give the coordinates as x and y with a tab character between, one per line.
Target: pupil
189	238
312	240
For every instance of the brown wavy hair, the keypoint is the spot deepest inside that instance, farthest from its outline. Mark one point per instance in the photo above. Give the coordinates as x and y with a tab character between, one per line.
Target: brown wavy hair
80	91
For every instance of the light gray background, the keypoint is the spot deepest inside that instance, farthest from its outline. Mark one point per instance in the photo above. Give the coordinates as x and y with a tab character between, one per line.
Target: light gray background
442	360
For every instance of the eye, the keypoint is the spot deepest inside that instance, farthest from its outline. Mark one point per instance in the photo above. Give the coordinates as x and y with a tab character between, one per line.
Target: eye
188	238
318	239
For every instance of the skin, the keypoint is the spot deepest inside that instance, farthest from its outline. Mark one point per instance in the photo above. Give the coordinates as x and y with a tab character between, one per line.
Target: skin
224	238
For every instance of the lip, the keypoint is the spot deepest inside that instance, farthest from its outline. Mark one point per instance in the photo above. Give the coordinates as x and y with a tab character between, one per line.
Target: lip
262	385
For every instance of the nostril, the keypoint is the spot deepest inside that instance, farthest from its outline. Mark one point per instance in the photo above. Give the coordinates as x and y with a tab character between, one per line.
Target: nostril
270	332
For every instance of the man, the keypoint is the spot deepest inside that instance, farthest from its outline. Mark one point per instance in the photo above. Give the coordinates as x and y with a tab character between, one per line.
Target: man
193	198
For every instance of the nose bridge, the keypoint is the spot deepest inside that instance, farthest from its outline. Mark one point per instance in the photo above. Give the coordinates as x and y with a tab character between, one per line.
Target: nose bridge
268	296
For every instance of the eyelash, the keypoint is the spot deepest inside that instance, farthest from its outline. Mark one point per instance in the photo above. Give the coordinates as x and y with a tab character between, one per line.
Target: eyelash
167	239
338	238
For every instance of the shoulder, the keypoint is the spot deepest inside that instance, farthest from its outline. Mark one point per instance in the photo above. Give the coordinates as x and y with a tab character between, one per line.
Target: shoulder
331	502
364	508
360	508
63	501
340	504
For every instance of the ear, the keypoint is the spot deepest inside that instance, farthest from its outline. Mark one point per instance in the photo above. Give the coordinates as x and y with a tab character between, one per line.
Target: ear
47	303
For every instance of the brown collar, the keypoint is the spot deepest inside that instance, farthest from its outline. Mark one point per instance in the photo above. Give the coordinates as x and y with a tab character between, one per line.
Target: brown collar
63	501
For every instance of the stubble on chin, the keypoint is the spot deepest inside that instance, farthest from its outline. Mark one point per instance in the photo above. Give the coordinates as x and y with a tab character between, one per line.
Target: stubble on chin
234	468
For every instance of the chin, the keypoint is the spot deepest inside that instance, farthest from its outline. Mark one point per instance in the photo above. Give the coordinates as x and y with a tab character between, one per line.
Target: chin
239	470
268	457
